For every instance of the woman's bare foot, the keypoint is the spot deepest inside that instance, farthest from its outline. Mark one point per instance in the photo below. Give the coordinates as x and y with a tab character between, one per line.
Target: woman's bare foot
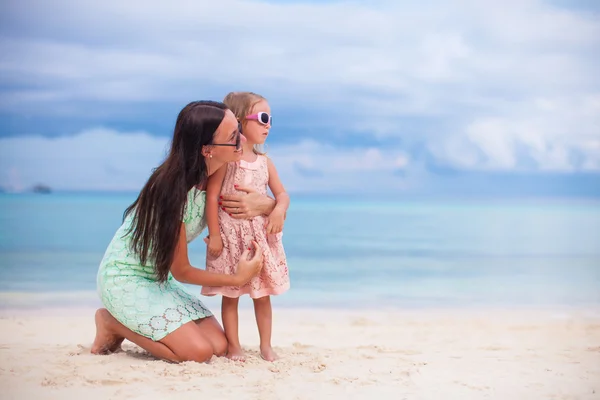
236	354
106	342
268	354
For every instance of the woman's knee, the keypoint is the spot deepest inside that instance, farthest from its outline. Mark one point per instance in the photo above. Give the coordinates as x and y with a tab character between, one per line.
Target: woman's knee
220	345
213	333
189	344
201	352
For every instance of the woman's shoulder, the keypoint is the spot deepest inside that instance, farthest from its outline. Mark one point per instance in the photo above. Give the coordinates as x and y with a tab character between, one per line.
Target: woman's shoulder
197	195
197	189
194	207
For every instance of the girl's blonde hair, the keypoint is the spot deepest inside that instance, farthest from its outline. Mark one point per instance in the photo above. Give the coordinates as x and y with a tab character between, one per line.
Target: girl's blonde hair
241	104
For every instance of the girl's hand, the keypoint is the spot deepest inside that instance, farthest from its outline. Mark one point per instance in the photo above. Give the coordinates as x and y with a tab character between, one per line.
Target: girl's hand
215	245
249	268
275	222
246	205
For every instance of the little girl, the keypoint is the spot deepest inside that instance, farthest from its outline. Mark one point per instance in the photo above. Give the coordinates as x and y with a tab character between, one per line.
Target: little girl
228	236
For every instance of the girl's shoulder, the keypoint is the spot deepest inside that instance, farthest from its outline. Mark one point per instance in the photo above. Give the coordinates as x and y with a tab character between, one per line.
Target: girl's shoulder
265	160
265	157
262	159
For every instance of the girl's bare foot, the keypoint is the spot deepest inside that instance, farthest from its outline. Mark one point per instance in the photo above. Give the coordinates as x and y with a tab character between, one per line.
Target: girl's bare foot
236	354
106	341
268	354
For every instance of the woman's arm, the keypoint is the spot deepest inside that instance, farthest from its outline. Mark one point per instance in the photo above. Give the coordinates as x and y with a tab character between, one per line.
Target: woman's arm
184	272
247	205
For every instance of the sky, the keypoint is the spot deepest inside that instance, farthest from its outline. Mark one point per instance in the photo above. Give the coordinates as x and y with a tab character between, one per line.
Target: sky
385	97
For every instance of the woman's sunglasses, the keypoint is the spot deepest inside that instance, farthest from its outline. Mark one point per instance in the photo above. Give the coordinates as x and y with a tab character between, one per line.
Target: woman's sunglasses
238	140
262	117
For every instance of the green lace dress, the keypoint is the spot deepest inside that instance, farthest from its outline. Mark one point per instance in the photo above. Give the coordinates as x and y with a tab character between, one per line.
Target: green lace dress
130	291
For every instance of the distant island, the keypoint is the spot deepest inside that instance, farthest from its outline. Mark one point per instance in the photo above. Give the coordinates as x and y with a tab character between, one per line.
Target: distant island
43	189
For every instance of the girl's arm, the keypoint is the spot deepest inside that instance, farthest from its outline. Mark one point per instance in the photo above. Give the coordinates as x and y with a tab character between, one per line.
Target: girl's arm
184	272
213	190
281	197
277	216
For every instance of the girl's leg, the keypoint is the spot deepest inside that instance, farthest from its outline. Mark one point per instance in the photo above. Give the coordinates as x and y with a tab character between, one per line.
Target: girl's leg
229	315
194	341
264	320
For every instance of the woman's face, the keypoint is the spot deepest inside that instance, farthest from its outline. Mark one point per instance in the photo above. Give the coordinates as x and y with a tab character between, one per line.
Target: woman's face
224	140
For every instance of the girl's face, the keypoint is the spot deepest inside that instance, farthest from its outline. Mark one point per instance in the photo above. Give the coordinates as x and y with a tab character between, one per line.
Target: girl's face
256	125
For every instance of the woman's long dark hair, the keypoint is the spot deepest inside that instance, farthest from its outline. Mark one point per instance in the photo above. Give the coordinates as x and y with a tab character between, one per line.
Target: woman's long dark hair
158	210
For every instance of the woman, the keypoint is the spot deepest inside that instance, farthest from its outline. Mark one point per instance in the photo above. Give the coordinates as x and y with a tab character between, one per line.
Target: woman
136	279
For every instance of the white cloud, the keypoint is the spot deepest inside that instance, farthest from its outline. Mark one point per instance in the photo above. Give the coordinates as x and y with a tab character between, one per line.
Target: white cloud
552	134
316	167
97	159
512	85
102	159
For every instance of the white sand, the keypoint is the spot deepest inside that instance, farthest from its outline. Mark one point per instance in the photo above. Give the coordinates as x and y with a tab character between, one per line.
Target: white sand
485	354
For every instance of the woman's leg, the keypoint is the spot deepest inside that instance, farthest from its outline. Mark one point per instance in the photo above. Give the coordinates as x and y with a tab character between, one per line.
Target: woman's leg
229	315
213	332
110	333
264	320
194	341
197	341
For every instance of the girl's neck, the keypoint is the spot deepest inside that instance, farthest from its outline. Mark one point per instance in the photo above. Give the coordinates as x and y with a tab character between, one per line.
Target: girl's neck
249	154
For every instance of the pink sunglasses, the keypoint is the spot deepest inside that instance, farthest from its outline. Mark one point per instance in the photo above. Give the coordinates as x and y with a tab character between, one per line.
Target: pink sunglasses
261	117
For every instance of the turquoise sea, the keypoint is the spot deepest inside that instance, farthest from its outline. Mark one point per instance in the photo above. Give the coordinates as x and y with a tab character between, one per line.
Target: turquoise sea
342	252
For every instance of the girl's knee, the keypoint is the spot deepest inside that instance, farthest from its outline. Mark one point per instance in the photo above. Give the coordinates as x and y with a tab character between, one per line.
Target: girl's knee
230	301
262	300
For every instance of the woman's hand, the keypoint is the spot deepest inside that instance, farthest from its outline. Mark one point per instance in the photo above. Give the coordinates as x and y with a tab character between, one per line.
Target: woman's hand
249	268
246	205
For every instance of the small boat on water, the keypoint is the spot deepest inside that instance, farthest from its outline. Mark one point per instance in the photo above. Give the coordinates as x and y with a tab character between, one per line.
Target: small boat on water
43	189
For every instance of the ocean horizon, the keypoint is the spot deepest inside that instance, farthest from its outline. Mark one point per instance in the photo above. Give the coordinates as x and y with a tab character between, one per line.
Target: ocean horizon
343	252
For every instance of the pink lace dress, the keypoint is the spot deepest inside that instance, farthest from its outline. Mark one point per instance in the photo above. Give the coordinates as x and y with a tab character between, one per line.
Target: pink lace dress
238	235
